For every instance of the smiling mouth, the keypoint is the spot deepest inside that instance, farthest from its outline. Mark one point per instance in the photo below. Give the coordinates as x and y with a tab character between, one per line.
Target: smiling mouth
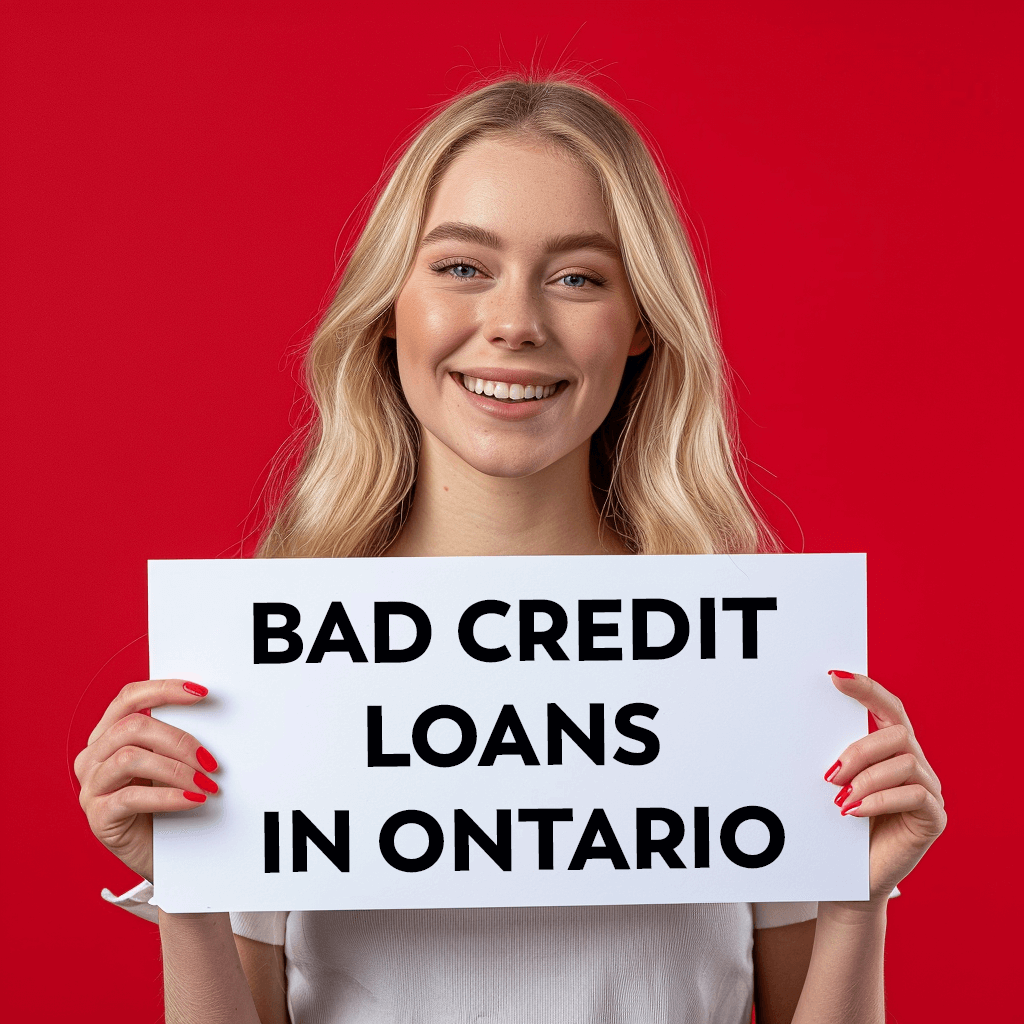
502	391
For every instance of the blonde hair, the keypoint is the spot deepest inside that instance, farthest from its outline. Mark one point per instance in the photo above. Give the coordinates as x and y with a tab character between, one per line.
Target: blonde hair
663	465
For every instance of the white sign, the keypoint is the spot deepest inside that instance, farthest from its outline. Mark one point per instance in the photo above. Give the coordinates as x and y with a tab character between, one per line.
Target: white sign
528	731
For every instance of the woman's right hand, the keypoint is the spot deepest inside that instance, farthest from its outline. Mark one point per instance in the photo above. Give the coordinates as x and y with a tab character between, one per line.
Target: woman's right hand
134	765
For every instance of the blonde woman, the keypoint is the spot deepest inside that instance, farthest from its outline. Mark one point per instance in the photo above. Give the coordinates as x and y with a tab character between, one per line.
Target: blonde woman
519	360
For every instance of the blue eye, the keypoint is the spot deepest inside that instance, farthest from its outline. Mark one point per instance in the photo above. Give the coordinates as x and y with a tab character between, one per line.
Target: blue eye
457	269
574	280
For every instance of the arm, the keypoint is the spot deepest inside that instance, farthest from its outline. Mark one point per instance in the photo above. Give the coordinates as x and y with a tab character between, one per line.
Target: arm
831	968
204	982
844	978
211	975
263	964
135	766
781	959
885	777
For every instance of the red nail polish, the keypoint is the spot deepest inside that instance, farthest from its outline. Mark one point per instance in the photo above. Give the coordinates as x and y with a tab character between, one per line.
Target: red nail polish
204	783
843	794
196	797
206	760
195	689
840	675
856	803
146	711
832	771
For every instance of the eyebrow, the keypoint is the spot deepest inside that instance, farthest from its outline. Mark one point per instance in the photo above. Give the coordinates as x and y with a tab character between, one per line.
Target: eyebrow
456	231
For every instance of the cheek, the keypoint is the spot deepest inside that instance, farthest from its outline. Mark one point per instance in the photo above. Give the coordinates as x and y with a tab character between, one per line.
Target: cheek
601	334
429	329
602	357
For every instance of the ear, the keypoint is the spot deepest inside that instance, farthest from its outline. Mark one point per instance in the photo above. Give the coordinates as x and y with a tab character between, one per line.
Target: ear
641	340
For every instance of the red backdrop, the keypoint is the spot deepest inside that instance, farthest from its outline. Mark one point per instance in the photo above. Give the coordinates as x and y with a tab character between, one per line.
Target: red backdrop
175	189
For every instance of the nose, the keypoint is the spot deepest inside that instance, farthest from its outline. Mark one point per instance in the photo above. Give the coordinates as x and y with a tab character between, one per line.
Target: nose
514	317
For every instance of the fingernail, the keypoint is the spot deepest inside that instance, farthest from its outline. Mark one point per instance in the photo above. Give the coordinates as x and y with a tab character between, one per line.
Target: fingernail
204	783
196	797
206	759
195	689
840	674
856	803
146	711
843	794
833	770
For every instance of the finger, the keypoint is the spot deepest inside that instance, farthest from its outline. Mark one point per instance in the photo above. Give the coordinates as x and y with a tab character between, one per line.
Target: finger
920	809
876	746
137	730
885	706
896	771
106	812
149	693
129	763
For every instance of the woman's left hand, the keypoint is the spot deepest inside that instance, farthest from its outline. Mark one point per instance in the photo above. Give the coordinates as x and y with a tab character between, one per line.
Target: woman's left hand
884	776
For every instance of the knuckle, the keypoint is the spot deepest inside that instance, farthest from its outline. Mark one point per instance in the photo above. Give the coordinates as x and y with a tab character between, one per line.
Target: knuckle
901	734
101	814
134	723
113	808
127	691
119	803
86	775
184	747
853	754
867	780
127	757
123	728
938	815
885	800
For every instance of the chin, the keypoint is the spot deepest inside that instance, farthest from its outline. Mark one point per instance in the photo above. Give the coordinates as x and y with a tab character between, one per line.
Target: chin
504	461
505	458
507	467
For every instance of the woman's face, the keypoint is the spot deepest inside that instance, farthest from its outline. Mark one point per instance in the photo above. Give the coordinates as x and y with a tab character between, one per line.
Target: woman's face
514	324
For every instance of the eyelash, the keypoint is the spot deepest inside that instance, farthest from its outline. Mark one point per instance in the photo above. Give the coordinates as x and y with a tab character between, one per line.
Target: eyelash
446	265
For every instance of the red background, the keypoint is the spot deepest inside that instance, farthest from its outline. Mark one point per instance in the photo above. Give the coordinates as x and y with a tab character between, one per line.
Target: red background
175	189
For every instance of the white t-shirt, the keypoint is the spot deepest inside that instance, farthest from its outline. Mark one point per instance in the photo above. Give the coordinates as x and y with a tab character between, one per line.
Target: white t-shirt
687	963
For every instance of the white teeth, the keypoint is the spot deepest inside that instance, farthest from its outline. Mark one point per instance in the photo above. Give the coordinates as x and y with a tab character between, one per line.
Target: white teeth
511	392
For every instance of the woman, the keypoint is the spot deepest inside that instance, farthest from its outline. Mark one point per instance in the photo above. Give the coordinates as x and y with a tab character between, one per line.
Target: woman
519	360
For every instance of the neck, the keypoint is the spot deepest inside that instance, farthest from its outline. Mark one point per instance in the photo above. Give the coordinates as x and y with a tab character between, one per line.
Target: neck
459	511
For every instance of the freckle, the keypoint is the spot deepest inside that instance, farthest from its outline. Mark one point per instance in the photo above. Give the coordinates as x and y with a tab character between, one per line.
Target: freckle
446	488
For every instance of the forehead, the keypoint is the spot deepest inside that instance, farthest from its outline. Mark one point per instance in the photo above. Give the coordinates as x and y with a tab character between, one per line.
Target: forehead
520	188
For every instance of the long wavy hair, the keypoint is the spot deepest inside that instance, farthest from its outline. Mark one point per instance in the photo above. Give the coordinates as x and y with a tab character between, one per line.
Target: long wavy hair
663	463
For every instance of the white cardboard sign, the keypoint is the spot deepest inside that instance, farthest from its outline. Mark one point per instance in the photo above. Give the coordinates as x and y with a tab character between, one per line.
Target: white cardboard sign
519	731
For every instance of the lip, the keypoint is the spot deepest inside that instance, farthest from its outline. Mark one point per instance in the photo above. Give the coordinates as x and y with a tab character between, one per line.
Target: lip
506	411
509	376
